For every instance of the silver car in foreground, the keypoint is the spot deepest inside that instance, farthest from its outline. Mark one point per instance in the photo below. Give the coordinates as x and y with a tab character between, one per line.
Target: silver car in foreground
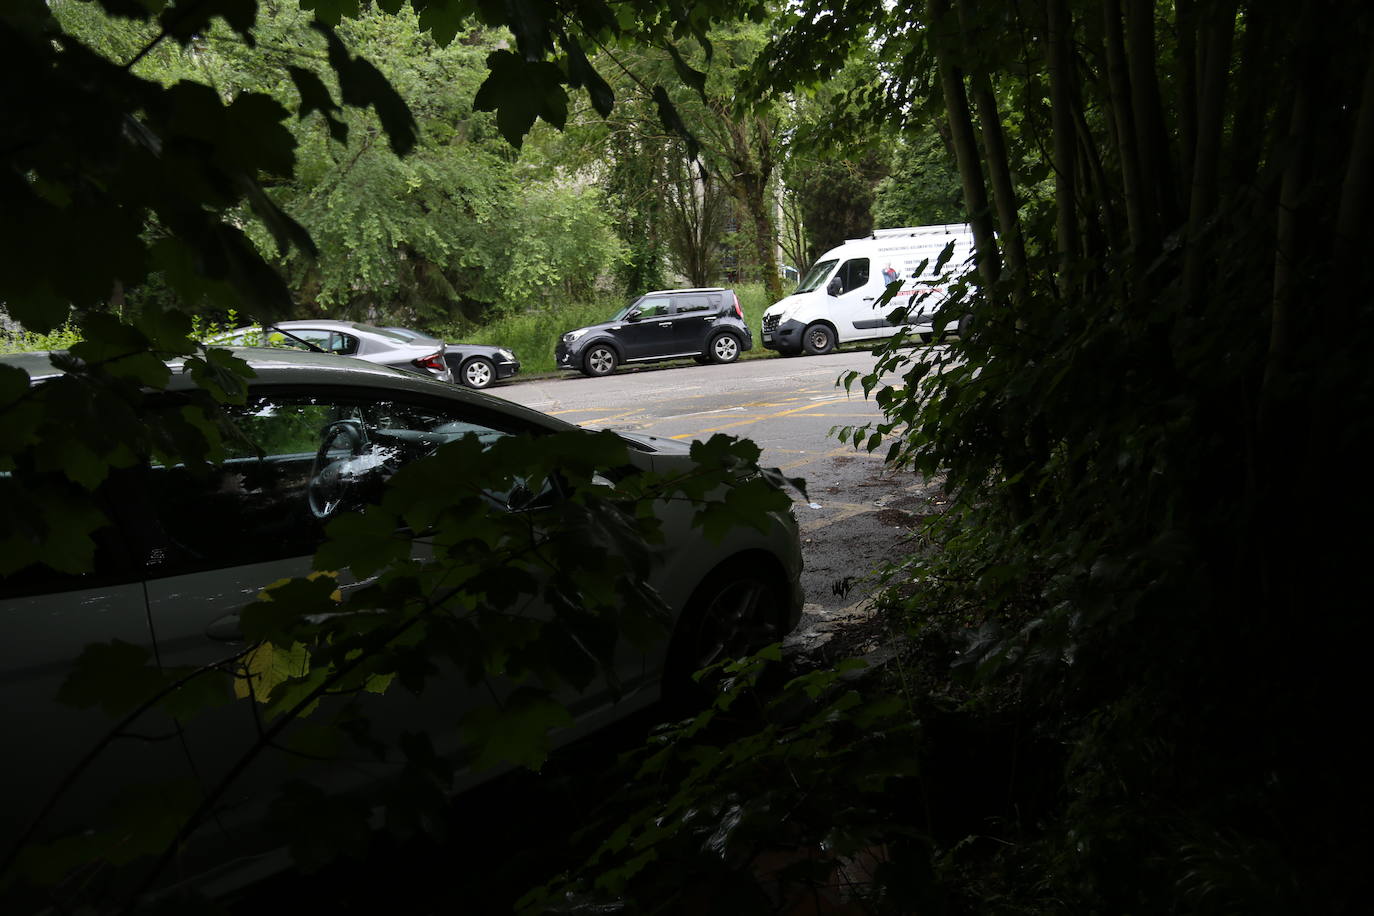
424	356
187	550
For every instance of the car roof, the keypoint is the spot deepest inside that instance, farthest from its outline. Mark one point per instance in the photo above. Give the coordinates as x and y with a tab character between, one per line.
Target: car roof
695	289
274	367
332	324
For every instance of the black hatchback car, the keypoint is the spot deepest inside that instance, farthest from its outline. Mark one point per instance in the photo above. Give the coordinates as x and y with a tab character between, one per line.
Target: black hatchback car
706	324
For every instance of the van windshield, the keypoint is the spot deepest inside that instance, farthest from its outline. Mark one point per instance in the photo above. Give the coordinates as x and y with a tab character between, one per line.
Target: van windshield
816	275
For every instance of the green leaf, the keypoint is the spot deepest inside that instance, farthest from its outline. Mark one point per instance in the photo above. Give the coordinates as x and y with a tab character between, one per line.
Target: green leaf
330	12
315	97
268	666
582	73
444	19
689	75
115	676
517	732
282	604
362	85
185	21
521	91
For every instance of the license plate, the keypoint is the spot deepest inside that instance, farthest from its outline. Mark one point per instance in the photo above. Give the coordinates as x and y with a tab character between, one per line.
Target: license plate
768	338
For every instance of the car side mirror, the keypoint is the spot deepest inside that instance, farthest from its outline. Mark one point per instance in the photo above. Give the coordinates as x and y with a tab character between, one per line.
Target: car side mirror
633	316
834	287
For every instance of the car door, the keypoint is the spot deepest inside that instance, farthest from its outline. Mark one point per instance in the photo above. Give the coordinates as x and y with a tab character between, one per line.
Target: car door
650	333
255	520
47	620
694	316
856	287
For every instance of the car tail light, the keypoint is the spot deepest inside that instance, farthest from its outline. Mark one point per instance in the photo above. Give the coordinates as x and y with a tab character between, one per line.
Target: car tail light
433	362
739	312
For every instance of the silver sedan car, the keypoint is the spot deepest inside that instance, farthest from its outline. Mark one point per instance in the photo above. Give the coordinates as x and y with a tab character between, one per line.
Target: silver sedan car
383	346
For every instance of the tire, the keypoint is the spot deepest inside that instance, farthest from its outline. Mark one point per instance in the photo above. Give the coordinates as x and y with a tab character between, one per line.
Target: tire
477	372
927	337
724	348
600	360
965	326
818	338
737	609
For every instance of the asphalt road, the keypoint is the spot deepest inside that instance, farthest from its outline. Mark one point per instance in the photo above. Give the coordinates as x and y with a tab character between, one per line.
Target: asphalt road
857	514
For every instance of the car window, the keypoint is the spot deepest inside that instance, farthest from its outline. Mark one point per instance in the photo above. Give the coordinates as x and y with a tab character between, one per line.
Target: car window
653	308
853	274
816	276
295	463
343	344
297	338
688	304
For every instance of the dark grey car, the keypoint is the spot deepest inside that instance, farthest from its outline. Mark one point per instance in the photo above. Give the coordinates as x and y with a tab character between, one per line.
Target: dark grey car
705	324
473	365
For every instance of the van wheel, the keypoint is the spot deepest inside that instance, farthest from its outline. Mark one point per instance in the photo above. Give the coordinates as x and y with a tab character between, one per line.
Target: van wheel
818	339
927	337
600	360
965	325
724	349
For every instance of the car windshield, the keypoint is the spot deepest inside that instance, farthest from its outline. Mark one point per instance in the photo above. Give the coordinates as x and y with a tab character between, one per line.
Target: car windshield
816	275
620	315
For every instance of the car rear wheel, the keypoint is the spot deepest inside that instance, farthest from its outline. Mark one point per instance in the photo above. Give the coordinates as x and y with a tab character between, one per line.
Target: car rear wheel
478	372
965	326
818	338
724	349
600	360
737	609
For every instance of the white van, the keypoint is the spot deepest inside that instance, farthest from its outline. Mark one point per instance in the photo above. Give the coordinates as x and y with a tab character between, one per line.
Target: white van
836	300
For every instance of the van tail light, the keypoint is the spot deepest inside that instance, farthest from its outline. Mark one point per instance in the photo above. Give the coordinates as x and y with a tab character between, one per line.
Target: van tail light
433	362
739	312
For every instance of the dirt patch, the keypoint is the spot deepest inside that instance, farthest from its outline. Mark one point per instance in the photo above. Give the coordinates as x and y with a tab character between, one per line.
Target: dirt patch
897	518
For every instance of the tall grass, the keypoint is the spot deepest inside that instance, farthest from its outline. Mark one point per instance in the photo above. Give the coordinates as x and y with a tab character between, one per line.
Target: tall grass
18	340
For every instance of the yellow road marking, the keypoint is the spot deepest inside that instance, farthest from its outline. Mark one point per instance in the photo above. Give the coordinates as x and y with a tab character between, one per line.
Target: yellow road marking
772	416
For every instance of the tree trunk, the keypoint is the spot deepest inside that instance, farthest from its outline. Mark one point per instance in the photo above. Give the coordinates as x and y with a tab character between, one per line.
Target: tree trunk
1187	63
1255	96
999	169
1059	62
1288	238
965	142
1144	243
1211	113
1156	162
1357	190
765	234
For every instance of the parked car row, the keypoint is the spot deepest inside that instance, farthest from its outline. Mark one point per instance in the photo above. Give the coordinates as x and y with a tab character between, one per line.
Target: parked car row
840	299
